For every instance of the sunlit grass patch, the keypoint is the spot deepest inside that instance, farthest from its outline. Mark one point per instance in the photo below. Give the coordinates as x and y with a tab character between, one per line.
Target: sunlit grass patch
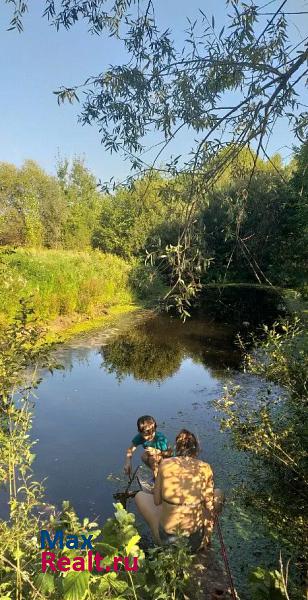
61	283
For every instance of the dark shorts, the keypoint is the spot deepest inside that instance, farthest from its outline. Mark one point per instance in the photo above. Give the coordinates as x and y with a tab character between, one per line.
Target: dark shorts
194	539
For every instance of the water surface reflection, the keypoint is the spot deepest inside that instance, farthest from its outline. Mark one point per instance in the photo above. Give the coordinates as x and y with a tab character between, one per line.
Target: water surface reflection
85	415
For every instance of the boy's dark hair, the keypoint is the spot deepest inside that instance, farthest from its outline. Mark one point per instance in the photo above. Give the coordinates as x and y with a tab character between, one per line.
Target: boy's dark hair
145	422
186	444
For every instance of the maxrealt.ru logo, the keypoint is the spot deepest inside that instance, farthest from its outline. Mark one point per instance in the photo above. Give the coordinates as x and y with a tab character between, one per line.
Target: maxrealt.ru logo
92	561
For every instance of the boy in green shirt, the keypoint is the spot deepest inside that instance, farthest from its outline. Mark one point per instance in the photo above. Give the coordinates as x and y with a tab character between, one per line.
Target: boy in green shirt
154	442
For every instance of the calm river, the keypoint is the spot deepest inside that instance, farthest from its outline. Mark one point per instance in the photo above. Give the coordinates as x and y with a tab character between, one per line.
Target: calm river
85	415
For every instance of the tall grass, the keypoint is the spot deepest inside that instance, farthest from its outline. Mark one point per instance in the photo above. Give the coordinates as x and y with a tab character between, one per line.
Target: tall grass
62	282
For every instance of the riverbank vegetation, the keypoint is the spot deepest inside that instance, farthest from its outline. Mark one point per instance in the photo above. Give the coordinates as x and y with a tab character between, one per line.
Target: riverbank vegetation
61	284
272	430
248	229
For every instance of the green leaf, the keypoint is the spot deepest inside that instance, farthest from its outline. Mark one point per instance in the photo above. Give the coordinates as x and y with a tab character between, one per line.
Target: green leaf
119	585
45	583
76	585
257	574
106	581
111	581
107	549
18	553
132	543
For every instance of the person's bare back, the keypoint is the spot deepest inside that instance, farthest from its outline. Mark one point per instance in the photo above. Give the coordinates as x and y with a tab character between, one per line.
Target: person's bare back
186	489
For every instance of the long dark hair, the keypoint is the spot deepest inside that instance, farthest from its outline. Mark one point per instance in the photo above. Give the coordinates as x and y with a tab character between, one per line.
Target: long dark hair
186	444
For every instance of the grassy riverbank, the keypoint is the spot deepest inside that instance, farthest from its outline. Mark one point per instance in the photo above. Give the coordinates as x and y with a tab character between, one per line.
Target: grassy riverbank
69	291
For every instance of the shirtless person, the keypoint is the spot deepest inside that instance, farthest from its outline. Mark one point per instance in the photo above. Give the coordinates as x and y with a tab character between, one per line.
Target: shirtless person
183	497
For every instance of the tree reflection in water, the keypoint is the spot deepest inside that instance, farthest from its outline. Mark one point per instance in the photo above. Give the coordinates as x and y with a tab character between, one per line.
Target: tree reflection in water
142	355
153	350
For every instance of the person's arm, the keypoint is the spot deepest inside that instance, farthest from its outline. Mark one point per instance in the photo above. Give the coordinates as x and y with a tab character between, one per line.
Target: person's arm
157	492
128	462
168	453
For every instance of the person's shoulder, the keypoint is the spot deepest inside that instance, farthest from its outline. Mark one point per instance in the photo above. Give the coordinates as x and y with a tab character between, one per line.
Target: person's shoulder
137	440
205	467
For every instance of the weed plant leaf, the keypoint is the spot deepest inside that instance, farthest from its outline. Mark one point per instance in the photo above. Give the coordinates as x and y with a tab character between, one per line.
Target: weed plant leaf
119	585
107	549
132	544
267	585
107	581
118	531
76	586
111	583
109	556
103	584
122	516
45	583
18	553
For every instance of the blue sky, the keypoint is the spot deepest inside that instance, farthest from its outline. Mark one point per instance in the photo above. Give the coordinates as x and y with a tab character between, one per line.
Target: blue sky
40	60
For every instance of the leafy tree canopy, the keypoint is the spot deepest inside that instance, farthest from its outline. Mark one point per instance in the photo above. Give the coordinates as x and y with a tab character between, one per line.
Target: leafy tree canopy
163	86
228	89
